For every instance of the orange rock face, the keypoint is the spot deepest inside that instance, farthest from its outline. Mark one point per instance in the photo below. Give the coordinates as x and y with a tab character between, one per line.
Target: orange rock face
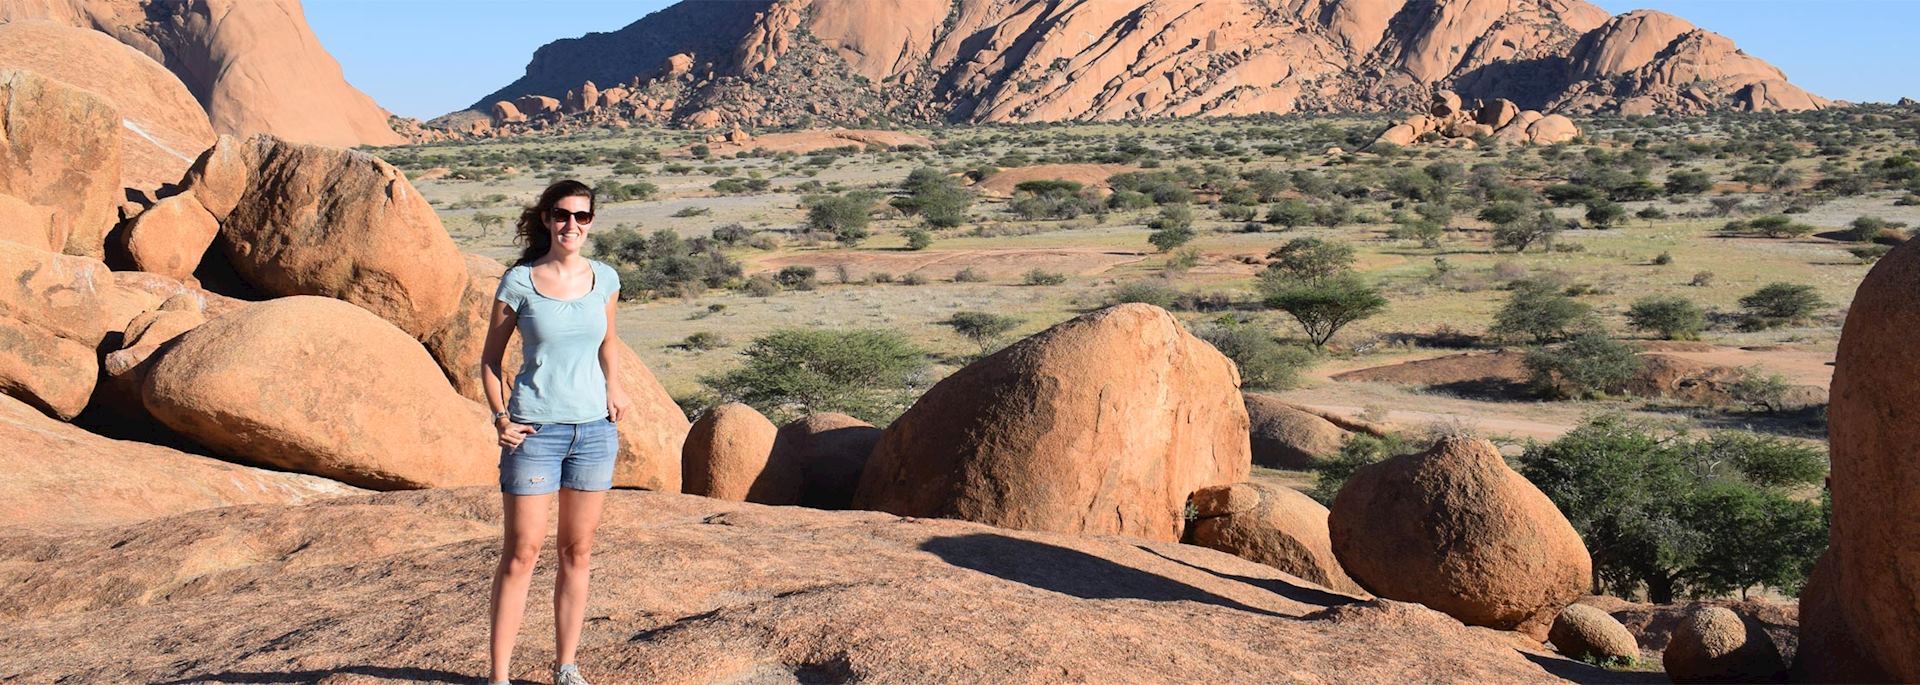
726	457
1103	424
163	127
169	238
1272	525
1873	426
61	150
1455	529
830	451
263	385
55	476
342	224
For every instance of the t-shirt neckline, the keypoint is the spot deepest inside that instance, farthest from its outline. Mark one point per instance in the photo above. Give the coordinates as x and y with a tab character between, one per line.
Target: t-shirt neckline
592	273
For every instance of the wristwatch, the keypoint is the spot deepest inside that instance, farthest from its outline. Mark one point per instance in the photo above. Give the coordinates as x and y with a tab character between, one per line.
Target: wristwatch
499	415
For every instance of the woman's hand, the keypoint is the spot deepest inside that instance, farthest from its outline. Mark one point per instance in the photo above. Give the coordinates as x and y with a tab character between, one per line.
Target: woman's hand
618	404
511	434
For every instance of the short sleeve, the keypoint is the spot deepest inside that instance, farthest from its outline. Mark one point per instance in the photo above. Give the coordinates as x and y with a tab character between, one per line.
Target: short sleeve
608	281
511	291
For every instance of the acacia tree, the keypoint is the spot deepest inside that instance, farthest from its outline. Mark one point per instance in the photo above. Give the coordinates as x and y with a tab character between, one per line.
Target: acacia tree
1323	306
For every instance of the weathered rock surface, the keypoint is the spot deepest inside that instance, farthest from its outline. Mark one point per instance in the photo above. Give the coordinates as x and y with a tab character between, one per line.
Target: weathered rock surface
162	126
1455	529
61	151
457	346
1873	425
1715	645
1826	649
1284	437
830	451
254	65
343	224
1271	525
170	237
54	374
57	476
1589	634
1103	424
716	592
653	431
265	385
75	298
726	457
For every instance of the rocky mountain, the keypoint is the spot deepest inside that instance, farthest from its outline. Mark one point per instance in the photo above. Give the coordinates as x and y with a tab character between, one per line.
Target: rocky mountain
787	61
253	65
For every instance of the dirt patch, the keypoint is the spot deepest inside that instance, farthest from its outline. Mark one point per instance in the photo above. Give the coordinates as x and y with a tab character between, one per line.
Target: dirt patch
1475	374
943	264
1800	367
1093	176
826	139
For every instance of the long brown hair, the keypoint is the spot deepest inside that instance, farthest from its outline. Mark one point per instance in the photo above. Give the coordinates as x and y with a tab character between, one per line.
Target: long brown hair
532	227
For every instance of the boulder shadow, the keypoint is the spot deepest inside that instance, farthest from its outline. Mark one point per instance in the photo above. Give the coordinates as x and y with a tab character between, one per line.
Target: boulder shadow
396	674
1304	594
1069	572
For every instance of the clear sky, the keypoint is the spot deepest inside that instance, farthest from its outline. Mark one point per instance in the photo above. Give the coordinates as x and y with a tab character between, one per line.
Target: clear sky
424	58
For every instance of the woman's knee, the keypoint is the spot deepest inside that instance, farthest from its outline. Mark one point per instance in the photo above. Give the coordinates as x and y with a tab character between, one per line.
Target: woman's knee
520	559
576	552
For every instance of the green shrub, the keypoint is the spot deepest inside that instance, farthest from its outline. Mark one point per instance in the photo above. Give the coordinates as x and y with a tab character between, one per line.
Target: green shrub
1674	515
704	340
1309	258
1290	212
1360	450
1155	293
797	278
1539	312
1779	304
845	216
788	373
983	328
969	275
1265	363
935	197
663	264
918	238
1673	318
1588	366
1039	277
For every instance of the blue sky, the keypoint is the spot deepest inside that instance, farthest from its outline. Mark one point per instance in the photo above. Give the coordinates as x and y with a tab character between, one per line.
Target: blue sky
424	58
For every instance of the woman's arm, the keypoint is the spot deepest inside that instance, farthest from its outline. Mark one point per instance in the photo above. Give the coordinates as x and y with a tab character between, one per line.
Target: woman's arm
500	325
617	401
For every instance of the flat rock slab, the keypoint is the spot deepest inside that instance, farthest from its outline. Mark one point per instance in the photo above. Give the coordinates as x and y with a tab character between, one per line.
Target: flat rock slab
392	587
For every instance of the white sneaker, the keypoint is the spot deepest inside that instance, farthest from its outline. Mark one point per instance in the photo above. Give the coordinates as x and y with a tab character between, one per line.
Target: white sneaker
568	675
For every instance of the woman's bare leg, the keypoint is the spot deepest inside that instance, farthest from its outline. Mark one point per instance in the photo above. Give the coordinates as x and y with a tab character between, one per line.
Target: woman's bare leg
526	528
579	516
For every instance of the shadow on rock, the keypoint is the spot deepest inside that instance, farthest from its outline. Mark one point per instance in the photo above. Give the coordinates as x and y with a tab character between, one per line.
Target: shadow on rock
1068	571
398	674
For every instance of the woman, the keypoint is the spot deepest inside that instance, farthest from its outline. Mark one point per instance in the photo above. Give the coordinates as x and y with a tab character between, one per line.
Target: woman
556	429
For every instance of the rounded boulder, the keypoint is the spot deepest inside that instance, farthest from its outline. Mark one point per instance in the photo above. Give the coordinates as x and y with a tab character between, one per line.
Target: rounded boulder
342	224
318	386
1715	645
830	451
1271	525
1284	437
1588	633
727	456
1456	529
1103	424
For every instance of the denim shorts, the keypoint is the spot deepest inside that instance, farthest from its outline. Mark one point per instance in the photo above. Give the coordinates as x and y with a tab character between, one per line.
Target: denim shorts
575	456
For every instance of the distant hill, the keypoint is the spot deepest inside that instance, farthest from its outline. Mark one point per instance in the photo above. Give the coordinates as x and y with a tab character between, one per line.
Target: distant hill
786	62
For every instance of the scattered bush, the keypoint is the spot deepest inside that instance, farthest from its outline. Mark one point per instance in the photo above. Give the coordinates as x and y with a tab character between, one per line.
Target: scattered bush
789	373
1539	312
1673	318
845	216
1590	365
1155	293
1039	277
918	238
1323	306
1309	258
983	328
1265	363
1780	304
969	275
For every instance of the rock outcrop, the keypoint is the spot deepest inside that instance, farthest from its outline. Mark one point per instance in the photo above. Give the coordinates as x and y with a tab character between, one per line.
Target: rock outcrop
1455	529
314	220
1103	424
1873	425
1451	123
1715	645
721	592
829	451
162	127
726	457
1271	525
1284	437
60	151
265	385
57	476
772	63
254	65
170	237
1589	634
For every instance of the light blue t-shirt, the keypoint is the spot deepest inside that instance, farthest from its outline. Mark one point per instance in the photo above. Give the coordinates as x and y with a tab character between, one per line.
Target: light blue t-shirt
560	379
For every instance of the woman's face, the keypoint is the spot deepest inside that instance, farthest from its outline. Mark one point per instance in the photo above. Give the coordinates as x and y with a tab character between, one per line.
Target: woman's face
567	224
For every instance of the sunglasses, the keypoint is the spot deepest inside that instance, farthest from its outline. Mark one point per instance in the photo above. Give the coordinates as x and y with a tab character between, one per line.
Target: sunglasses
558	215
